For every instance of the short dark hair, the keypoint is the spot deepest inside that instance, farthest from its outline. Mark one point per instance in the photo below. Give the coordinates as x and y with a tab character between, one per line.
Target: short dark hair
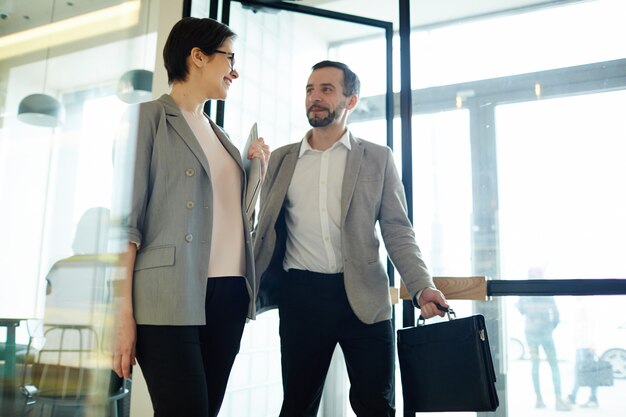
189	33
351	83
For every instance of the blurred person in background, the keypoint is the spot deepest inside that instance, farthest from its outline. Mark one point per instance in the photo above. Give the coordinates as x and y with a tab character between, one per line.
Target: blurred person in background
541	318
585	354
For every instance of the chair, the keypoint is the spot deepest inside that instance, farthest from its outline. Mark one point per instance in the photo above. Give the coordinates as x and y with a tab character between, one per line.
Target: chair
71	370
67	374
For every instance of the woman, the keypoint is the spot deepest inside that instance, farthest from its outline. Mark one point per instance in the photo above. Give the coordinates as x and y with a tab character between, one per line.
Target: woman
190	282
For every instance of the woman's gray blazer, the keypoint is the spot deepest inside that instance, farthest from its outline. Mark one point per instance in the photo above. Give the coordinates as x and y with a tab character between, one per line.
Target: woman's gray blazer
170	216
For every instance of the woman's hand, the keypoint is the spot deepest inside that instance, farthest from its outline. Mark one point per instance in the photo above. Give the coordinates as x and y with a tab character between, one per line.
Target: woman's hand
124	345
258	149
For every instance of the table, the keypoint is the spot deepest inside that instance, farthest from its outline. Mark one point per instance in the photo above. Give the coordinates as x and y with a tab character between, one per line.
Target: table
7	380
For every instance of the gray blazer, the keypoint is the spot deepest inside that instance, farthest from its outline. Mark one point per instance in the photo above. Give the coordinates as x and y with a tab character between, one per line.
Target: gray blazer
171	218
371	192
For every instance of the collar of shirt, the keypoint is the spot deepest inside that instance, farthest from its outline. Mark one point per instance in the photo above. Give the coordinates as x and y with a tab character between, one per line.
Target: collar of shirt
306	146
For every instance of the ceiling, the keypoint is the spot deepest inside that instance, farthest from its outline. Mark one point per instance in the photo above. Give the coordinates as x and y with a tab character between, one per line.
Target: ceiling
17	15
20	15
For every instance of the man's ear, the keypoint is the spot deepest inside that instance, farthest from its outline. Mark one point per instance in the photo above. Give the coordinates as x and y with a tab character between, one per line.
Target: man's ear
353	100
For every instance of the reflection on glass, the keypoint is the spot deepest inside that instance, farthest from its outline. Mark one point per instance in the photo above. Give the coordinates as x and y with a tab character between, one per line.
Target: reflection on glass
590	351
57	184
66	364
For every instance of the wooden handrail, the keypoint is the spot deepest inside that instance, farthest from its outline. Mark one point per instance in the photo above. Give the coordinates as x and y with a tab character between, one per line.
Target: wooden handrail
454	288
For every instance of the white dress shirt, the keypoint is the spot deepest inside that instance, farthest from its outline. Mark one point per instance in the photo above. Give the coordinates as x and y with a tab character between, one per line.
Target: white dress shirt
313	208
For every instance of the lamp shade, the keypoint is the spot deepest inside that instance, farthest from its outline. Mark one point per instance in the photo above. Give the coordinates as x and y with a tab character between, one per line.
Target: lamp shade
40	110
135	86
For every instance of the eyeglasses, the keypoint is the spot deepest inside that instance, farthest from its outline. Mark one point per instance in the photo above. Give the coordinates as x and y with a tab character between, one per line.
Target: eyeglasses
230	56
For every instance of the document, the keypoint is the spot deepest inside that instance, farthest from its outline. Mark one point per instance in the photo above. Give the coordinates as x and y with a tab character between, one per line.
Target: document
253	173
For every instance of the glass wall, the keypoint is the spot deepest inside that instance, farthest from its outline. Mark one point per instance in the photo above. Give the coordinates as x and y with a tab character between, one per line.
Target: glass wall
517	133
545	219
65	83
588	363
278	49
563	219
517	42
534	177
517	139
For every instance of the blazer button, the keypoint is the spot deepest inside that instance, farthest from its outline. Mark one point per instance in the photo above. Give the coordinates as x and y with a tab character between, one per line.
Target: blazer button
188	237
190	204
190	172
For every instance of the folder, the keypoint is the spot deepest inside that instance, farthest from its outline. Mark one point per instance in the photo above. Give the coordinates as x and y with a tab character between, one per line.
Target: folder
253	173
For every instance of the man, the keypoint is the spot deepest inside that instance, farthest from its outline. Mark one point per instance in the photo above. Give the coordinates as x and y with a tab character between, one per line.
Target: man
316	249
542	317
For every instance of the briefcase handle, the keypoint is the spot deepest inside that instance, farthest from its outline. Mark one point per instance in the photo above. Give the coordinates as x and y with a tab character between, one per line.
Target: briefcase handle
449	312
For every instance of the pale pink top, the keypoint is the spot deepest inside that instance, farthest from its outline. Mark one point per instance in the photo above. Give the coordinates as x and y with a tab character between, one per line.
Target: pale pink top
227	257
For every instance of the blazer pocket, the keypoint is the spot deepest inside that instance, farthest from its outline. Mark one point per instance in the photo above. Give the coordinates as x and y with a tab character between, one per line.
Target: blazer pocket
155	257
370	178
373	258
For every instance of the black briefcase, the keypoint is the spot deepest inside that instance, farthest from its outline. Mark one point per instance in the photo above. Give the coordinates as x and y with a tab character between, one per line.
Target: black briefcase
447	366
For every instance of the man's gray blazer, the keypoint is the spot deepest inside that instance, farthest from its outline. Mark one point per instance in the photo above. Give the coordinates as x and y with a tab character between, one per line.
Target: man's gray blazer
371	192
171	217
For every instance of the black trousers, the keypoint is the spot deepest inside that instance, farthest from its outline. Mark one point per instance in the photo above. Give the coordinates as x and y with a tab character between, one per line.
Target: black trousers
314	316
187	367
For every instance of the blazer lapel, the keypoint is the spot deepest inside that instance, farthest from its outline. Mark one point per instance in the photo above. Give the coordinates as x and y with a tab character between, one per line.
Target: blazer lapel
176	119
280	183
353	166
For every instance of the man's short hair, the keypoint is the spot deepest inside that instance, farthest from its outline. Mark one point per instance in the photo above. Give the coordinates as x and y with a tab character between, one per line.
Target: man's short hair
188	33
351	83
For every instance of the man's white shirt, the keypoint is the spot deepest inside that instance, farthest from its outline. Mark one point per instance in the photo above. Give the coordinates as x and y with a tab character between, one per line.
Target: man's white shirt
313	208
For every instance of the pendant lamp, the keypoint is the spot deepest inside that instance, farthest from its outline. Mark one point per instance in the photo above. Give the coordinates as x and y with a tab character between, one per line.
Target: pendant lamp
135	86
40	110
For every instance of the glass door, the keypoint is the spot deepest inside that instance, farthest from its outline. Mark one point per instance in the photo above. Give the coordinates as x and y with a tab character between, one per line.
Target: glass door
279	42
562	217
545	136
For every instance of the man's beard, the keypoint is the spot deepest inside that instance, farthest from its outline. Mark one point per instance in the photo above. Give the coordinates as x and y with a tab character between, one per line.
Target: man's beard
317	122
322	122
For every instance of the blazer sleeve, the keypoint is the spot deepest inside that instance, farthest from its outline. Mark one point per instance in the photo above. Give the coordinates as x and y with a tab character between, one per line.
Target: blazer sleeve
142	123
398	234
